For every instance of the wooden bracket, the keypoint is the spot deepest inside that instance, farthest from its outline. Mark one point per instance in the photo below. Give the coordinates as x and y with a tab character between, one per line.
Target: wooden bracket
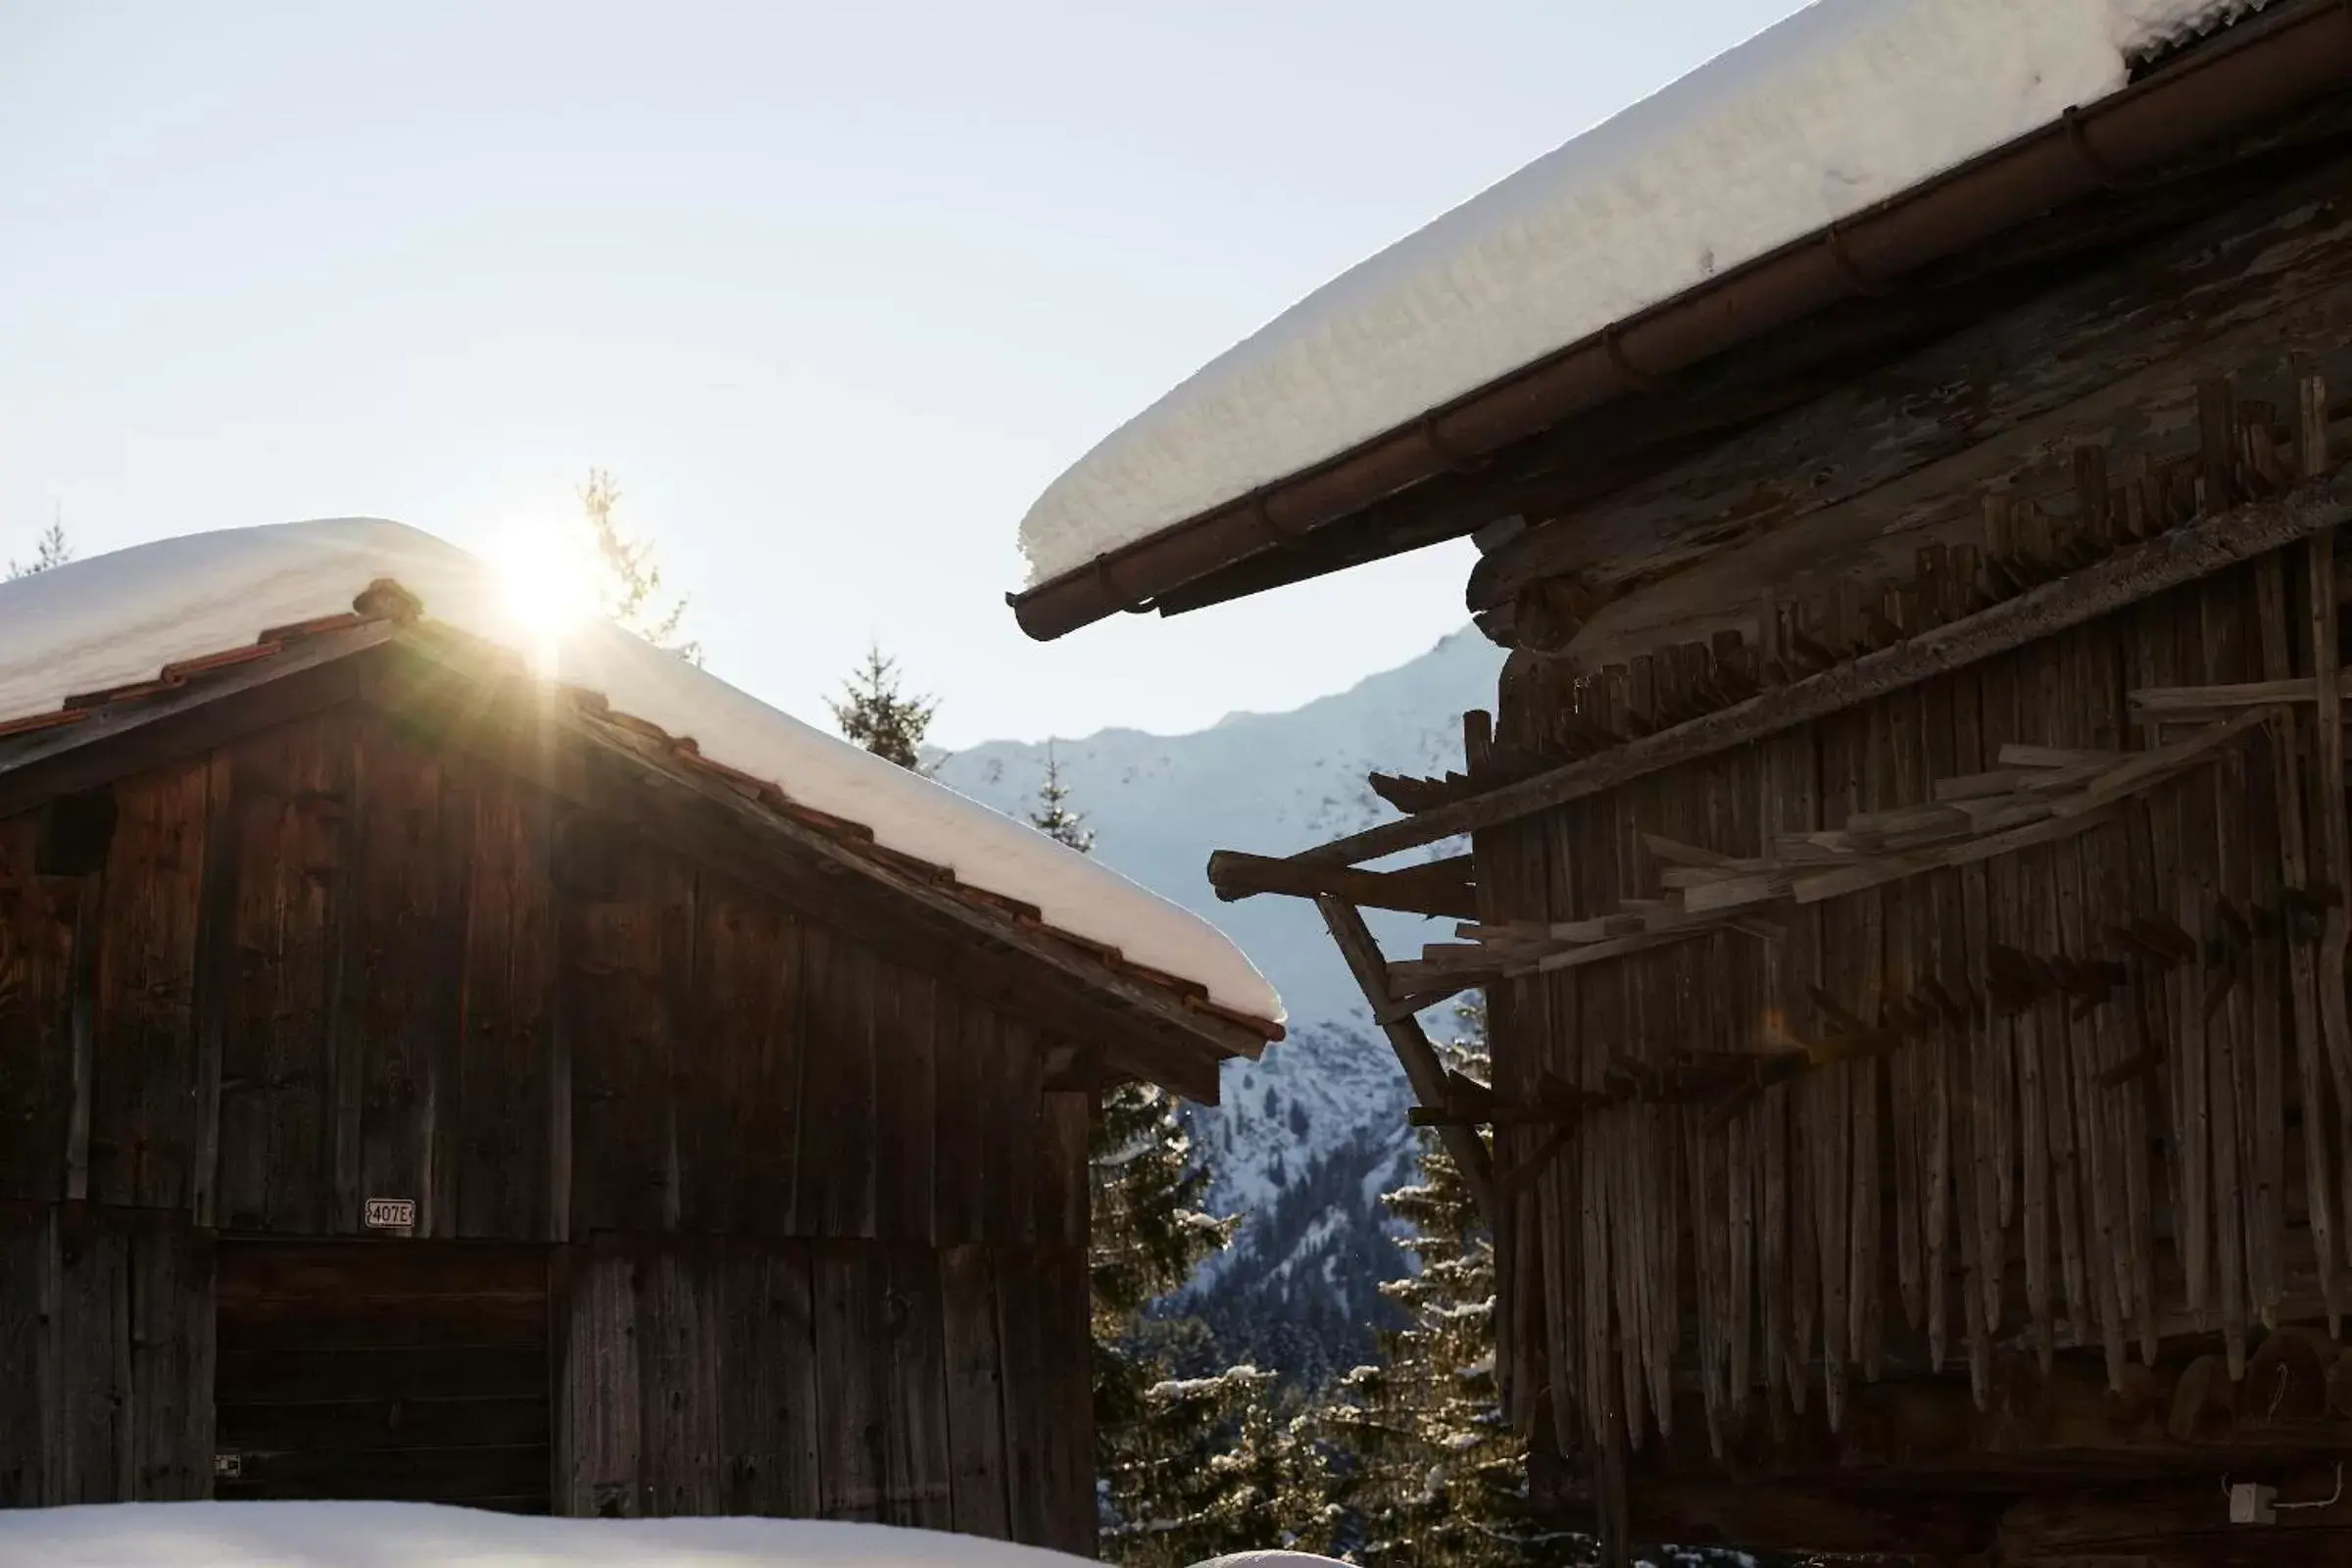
1414	1052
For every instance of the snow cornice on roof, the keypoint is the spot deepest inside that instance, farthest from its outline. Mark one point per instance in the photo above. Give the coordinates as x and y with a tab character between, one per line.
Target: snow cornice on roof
1854	144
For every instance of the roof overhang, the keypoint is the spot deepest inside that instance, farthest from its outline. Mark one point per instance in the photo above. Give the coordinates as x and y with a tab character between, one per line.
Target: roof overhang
1447	473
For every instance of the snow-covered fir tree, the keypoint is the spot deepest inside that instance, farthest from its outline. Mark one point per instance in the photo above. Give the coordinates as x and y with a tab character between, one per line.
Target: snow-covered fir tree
628	579
1429	1471
879	716
1188	1467
50	550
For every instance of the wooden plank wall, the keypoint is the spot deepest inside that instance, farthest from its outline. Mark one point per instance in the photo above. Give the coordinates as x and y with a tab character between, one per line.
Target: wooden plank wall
2074	1146
897	1382
106	1343
328	963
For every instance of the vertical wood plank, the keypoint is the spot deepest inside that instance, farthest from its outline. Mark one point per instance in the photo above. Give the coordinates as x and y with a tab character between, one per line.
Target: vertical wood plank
975	1392
38	916
2331	845
2302	957
25	1430
1062	1194
274	883
505	1113
679	1377
1069	1396
768	1381
906	1050
919	1486
599	1418
744	1127
620	943
169	1316
2226	1043
836	1173
1015	1132
407	992
852	1280
142	1102
961	1057
89	1340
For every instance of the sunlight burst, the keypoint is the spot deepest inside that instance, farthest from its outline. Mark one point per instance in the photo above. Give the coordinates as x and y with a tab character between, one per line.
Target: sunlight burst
548	576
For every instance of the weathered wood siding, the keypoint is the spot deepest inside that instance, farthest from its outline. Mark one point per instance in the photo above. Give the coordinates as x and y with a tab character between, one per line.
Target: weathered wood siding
2039	1129
328	963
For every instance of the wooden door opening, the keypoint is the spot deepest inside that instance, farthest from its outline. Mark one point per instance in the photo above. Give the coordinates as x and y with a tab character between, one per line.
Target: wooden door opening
393	1371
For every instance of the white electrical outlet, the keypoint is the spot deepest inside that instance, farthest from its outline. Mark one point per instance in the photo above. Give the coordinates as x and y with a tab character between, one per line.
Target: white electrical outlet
2251	1504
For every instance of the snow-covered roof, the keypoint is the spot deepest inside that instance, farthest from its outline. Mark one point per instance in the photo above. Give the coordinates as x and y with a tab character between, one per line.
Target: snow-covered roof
119	619
411	1535
1843	105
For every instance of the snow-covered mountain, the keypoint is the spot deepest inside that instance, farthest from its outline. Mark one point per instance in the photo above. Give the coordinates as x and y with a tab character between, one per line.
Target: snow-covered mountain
1307	1138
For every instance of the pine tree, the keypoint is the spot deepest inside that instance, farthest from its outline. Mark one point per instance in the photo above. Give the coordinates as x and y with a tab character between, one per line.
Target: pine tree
1431	1472
51	549
1053	816
1188	1467
630	581
882	718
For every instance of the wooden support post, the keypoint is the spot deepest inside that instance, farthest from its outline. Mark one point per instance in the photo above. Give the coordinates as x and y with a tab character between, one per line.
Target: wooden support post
1419	1058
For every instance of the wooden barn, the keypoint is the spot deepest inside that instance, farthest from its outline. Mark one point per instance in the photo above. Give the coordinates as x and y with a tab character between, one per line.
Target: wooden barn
1906	861
426	1073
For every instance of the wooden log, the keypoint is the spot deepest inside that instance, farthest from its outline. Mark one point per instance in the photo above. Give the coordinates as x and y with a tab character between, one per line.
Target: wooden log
1441	888
2122	578
1414	1052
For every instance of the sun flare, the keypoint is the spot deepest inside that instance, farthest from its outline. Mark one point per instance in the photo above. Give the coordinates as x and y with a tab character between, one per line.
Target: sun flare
548	577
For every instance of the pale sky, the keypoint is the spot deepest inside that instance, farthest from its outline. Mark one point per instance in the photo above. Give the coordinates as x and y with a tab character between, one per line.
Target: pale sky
833	290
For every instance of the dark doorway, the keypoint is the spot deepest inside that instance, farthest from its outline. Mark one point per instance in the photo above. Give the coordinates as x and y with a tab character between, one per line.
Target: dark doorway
393	1370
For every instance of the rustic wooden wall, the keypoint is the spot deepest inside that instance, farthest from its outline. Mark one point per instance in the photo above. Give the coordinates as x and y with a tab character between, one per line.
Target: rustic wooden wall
2057	1142
326	962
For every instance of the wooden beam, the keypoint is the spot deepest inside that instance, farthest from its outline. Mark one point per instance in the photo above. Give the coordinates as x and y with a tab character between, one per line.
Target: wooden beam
1419	1058
2126	577
1443	889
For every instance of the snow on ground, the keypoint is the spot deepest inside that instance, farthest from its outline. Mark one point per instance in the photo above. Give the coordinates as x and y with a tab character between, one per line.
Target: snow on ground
412	1535
1842	105
121	618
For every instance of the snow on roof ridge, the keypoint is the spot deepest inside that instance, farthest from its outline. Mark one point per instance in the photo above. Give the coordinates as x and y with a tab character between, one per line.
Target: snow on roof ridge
117	619
1838	107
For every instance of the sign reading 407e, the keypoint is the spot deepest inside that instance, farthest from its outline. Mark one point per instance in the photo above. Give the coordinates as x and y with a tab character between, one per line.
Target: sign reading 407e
390	1214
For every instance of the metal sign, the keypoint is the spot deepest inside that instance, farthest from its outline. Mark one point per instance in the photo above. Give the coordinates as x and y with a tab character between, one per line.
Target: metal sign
229	1466
390	1213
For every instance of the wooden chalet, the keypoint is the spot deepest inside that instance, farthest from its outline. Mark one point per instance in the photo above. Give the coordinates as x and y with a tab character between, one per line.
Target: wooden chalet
423	1080
1907	860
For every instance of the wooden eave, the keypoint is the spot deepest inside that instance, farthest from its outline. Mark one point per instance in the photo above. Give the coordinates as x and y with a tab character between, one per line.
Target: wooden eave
1118	1018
